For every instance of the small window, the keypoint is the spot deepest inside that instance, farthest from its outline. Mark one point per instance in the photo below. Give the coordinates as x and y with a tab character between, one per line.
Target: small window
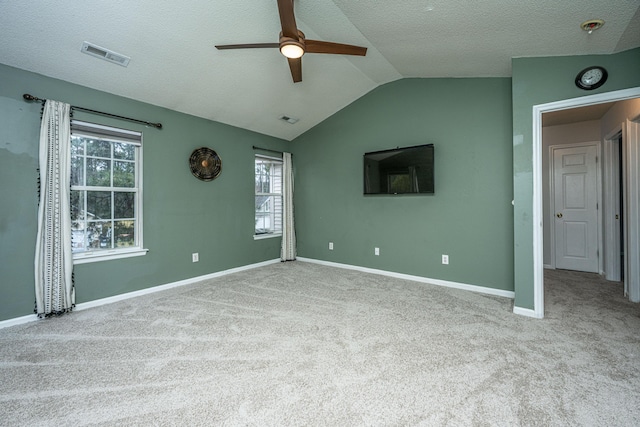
106	192
268	202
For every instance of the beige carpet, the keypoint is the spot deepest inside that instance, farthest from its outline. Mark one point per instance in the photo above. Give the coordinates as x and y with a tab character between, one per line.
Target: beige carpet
299	344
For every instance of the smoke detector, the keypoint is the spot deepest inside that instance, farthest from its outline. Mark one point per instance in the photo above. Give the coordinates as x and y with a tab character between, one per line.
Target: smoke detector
290	120
106	54
591	25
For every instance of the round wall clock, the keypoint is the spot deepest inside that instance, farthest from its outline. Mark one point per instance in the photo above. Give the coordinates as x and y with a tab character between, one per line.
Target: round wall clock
591	78
205	164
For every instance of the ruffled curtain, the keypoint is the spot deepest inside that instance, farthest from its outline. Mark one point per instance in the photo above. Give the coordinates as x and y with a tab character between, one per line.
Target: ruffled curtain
288	252
53	257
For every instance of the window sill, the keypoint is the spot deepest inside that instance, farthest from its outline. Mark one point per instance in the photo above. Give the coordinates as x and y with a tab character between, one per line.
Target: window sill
266	236
87	257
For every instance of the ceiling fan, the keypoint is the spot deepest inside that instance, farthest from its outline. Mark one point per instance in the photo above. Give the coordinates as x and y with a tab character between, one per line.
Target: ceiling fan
293	44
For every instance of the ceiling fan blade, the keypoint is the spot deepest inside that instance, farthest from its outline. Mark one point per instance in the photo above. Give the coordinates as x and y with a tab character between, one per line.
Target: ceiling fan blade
246	46
296	69
317	46
287	19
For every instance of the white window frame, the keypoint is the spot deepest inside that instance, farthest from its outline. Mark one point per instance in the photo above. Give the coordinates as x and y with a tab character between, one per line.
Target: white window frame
279	161
118	135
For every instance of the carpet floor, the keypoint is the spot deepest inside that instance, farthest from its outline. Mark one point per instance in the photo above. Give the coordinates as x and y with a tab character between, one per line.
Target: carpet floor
300	344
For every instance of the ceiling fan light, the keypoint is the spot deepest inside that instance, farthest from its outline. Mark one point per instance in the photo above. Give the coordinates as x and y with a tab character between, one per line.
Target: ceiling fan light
291	50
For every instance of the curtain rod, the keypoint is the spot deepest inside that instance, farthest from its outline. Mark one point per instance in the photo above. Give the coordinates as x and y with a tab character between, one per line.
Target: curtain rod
28	97
266	149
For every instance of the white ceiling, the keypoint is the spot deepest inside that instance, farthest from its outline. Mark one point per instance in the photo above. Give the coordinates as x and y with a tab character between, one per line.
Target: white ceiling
174	63
575	115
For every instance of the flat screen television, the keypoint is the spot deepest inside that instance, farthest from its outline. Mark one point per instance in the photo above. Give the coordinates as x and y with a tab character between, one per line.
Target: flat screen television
407	170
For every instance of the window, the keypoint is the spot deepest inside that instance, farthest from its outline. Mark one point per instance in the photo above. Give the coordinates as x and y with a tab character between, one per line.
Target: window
268	203
106	192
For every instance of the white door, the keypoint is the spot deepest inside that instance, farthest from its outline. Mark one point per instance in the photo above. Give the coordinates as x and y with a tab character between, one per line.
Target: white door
612	209
575	178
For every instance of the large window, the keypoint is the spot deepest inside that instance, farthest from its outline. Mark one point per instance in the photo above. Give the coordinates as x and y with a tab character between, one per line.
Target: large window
268	197
106	192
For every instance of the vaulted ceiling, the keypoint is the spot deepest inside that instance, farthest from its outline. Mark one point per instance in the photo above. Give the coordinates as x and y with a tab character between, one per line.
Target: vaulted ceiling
174	63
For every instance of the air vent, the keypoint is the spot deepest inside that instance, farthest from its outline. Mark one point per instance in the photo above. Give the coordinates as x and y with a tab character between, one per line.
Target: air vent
289	120
106	54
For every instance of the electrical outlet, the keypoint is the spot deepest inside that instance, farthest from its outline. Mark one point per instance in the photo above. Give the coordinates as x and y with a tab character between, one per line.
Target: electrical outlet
195	257
445	259
330	246
376	251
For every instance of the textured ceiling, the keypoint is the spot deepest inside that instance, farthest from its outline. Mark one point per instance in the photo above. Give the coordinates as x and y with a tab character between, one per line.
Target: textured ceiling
174	63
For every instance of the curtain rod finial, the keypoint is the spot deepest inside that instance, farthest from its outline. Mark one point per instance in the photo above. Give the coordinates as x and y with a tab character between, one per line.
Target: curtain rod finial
28	97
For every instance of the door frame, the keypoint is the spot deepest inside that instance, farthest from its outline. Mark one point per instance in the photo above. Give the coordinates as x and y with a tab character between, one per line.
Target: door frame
552	208
631	141
537	214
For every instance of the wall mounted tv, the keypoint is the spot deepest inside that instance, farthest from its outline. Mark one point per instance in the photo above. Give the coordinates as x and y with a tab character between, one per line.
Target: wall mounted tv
407	170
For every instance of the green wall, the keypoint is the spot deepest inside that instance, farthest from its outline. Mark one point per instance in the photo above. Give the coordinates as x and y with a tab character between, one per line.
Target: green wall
539	81
181	214
481	128
470	215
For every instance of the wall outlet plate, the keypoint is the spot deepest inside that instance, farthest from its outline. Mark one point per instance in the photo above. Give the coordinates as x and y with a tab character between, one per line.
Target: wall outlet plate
330	246
376	251
195	257
445	259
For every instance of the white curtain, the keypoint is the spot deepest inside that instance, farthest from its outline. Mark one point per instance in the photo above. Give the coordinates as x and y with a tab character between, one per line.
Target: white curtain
288	252
53	258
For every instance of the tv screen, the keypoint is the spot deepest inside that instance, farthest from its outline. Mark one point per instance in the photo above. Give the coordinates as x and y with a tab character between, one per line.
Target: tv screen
407	170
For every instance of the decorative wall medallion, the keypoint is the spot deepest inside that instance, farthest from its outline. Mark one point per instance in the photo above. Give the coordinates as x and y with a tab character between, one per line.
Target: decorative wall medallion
205	164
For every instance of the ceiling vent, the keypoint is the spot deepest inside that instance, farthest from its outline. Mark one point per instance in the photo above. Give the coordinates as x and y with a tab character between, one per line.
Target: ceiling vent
289	120
106	54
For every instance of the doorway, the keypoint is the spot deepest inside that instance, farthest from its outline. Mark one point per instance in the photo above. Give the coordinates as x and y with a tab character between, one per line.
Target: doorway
631	187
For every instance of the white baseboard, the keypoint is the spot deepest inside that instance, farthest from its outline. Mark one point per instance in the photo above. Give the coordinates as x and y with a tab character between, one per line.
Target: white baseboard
526	312
18	320
438	282
116	298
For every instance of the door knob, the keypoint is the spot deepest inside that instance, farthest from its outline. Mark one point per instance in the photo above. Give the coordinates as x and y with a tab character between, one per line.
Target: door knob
559	214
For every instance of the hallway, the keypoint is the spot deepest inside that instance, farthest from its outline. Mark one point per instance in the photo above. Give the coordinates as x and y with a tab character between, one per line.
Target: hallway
587	296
